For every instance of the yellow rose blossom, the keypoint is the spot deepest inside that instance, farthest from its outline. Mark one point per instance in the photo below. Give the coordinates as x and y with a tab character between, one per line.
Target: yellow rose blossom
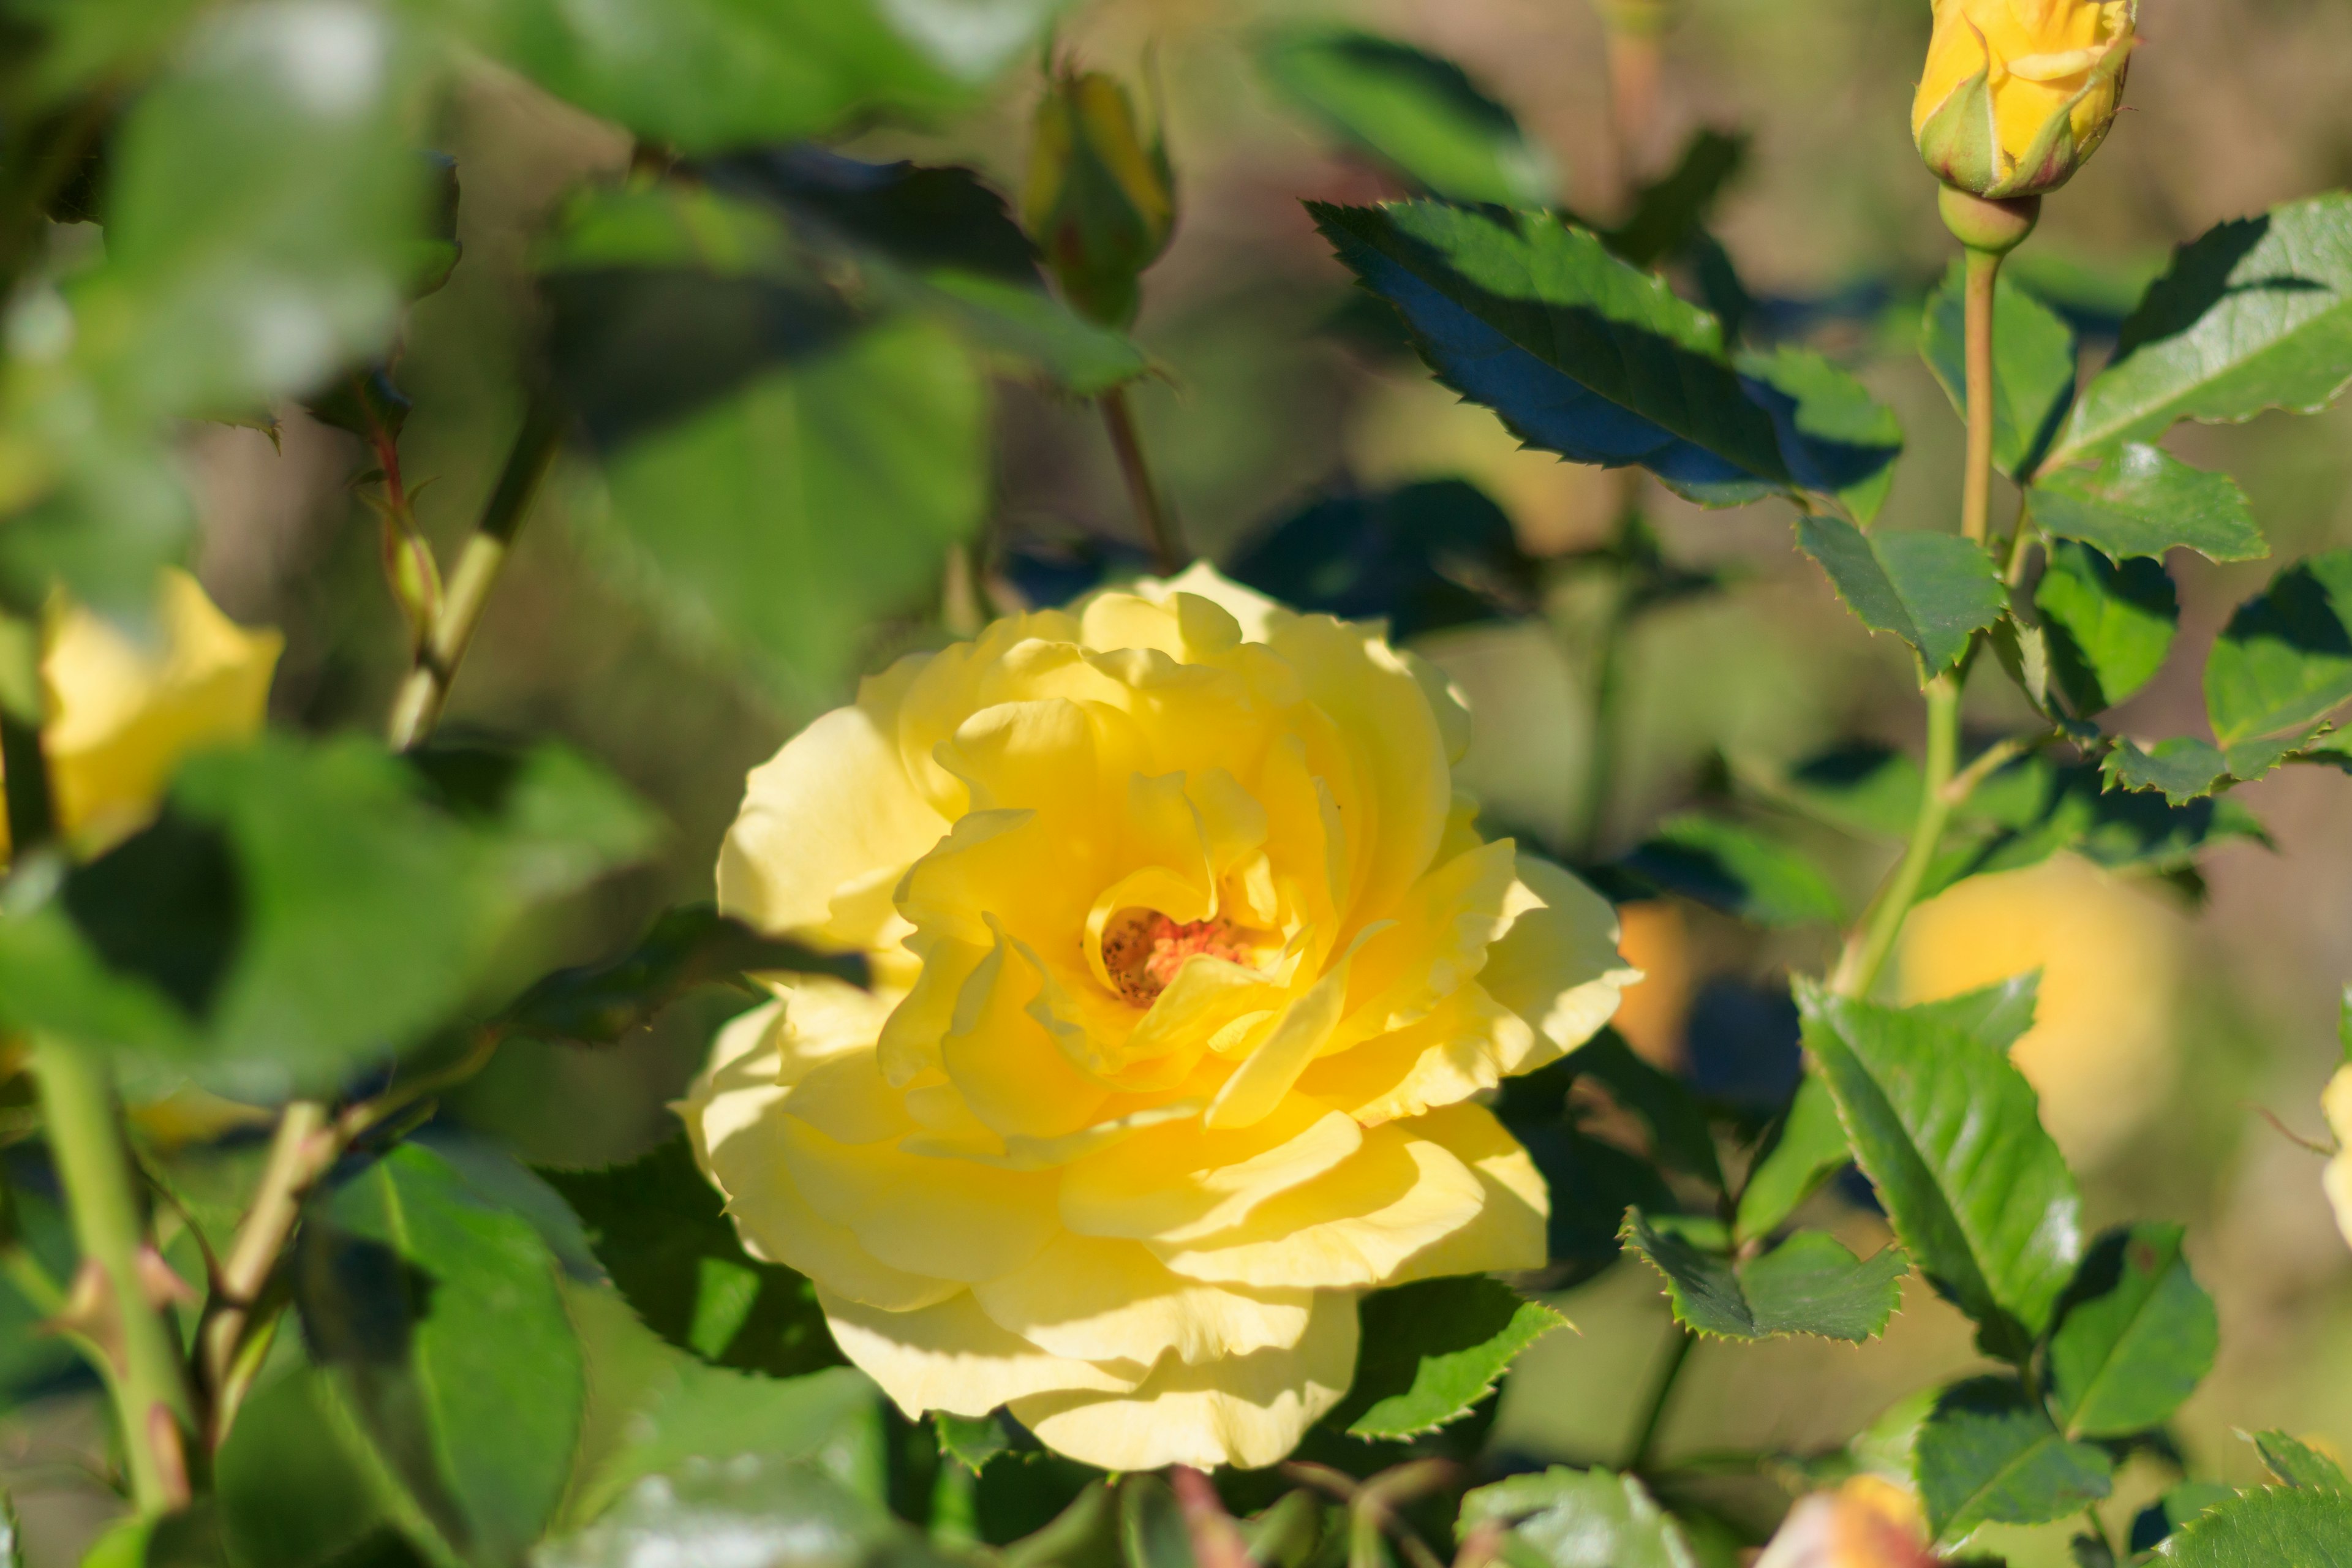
1189	968
2018	93
2336	1102
121	715
1868	1523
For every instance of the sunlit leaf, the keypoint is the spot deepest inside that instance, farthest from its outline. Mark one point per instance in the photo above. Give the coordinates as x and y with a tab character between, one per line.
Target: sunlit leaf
1809	1284
1987	1454
2285	658
2136	1335
1432	1350
1933	590
2143	500
2110	625
1562	1518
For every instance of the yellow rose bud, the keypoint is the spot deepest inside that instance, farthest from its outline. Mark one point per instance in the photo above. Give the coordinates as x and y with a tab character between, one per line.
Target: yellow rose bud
1868	1523
1189	968
2336	1102
121	715
1101	205
2019	93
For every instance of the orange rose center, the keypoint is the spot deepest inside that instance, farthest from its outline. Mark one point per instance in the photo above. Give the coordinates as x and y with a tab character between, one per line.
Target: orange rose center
1143	949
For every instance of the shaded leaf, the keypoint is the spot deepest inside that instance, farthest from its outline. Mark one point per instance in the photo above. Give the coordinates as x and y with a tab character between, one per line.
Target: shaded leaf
1949	1134
1809	1150
2143	500
294	1481
2285	661
1667	211
1860	787
1987	1454
1737	869
1932	590
2297	1464
1809	1284
1432	1350
2033	364
1679	1134
1564	1518
2136	1335
1421	557
969	1442
2181	770
2034	809
1592	1183
2109	626
2269	1528
1417	114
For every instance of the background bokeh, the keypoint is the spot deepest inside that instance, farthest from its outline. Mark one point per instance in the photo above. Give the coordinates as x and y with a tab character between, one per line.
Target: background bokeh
2171	1023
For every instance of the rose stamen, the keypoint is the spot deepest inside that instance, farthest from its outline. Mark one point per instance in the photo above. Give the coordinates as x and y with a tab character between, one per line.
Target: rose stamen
1143	949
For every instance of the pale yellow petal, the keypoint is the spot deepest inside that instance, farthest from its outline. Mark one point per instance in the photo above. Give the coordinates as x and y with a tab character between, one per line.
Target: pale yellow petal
1468	1045
1101	1300
1005	1062
1508	1234
950	1357
1186	1180
2337	1104
1558	966
846	1099
1436	943
1245	1411
1254	614
1446	701
1263	1079
950	1218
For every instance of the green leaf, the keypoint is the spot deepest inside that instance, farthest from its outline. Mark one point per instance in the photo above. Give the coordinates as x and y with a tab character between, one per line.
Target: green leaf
1932	590
2285	661
1738	869
2271	1528
301	907
1679	1134
1667	212
443	1324
1582	354
1592	1183
2181	770
768	1512
2109	626
1419	114
2297	1464
685	947
1859	787
1151	1530
2256	314
2143	500
704	76
1845	442
2033	365
1809	1284
2136	1335
1996	1016
1810	1149
2176	1507
1432	1350
661	1231
1565	1518
1989	1454
969	1442
2035	809
296	1485
1948	1133
1424	556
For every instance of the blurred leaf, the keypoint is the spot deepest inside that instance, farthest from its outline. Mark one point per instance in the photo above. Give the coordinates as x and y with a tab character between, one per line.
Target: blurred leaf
297	1486
1738	869
1932	590
2285	661
1810	1149
707	76
1809	1284
1151	1530
2267	1528
1859	786
1432	1350
969	1442
441	1319
2035	809
746	1512
2034	367
1949	1134
1417	114
2109	626
2136	1335
304	907
2256	314
780	523
1563	1517
1667	212
1592	1183
2143	500
365	402
1582	354
660	1229
1679	1134
1989	1454
1422	556
2176	1507
685	947
35	1239
2297	1464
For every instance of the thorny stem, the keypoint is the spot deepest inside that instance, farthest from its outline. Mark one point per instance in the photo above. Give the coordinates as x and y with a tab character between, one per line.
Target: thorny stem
1662	1393
1975	495
1866	952
1151	507
417	708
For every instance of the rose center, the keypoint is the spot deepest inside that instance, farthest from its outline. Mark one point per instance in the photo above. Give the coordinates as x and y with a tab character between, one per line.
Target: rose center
1143	949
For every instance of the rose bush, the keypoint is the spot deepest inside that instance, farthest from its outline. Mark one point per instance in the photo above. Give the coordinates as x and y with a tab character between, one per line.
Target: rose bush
1189	968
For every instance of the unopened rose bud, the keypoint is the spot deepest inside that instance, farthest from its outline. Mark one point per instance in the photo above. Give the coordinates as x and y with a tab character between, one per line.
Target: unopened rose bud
2019	93
1100	204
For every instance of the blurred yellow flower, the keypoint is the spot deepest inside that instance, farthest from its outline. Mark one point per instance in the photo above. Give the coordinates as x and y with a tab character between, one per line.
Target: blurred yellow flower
2018	93
1868	1523
1190	965
121	715
2101	1051
2336	1102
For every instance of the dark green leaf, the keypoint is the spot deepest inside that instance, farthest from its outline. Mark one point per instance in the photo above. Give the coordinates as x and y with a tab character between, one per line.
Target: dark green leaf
969	1442
295	1478
2257	314
2176	1507
2109	626
1563	1517
443	1325
2297	1464
1679	1136
703	76
1809	1284
1416	113
2033	365
1151	1530
2271	1528
2143	500
1592	1183
685	947
1810	1149
1737	869
2034	809
1840	439
2285	661
1989	1454
1581	355
1949	1134
660	1229
1432	1350
1667	212
2135	1334
1422	556
1932	590
2181	770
